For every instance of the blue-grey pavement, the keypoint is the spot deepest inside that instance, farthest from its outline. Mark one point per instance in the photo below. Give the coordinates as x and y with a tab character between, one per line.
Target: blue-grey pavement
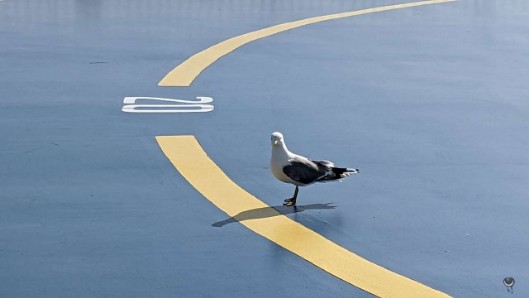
430	103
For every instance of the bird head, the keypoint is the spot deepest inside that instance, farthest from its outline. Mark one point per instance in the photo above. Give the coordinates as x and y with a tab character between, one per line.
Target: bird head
277	138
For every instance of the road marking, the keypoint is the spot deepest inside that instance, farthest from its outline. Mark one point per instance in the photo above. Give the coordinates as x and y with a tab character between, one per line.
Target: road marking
188	157
185	73
186	106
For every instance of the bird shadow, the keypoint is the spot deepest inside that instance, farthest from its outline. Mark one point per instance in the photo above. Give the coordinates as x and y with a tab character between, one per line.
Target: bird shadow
271	212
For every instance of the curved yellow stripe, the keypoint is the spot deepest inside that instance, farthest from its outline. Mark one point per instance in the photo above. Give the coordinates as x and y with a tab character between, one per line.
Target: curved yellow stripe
186	154
184	74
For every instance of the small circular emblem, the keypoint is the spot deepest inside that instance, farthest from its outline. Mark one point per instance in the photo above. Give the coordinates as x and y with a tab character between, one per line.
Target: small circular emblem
509	283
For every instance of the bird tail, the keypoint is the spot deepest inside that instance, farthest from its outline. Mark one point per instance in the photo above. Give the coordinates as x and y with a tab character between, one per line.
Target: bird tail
338	173
344	172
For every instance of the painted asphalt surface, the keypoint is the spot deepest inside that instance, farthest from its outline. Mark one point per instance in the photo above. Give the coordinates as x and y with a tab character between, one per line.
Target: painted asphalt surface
430	103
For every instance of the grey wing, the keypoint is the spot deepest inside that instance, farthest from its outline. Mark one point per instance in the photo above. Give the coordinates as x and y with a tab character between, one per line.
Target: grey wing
304	171
323	163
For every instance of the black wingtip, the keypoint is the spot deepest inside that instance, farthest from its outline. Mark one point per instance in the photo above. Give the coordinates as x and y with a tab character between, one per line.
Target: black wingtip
354	171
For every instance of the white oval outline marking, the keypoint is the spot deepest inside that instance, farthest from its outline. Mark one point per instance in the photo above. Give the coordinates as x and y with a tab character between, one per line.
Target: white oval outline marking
189	106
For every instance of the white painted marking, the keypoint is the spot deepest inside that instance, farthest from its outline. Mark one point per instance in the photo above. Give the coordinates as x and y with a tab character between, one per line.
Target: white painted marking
185	106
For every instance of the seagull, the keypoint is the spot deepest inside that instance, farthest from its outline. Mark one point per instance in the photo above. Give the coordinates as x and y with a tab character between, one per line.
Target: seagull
299	170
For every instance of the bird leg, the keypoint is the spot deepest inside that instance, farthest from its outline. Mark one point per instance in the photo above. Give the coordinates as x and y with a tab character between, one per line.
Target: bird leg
292	201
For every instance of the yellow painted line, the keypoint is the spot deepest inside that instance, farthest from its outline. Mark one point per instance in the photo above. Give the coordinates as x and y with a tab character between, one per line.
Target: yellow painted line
186	154
184	74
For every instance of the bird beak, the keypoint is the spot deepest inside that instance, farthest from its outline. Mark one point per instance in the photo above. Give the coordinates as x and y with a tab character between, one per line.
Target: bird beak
276	142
